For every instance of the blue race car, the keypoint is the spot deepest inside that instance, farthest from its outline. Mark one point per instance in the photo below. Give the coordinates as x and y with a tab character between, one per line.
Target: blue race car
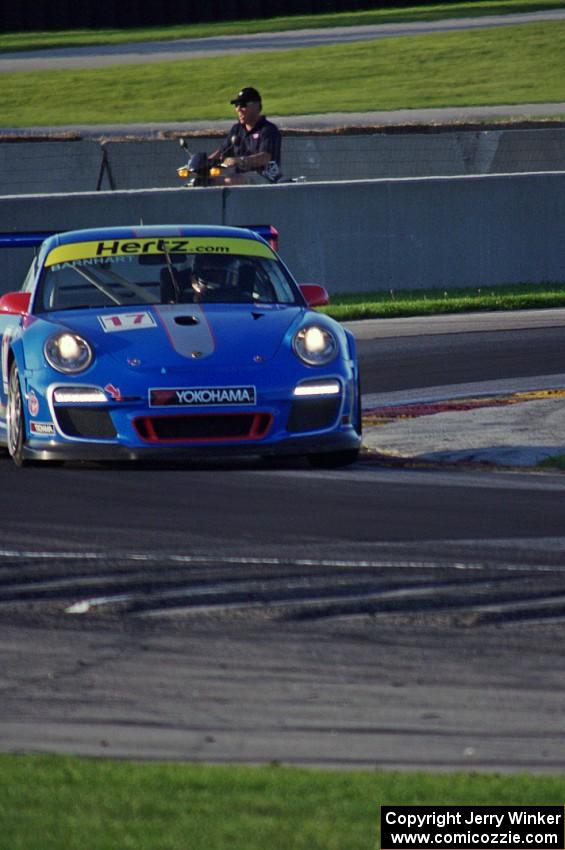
132	342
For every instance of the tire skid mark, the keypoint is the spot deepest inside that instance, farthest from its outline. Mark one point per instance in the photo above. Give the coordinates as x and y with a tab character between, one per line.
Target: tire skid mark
301	589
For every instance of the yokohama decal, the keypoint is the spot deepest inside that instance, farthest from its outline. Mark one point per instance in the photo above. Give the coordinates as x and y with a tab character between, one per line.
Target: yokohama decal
202	396
42	429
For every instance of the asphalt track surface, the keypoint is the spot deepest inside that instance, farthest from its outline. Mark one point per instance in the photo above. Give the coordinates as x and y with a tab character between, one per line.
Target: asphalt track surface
407	354
379	616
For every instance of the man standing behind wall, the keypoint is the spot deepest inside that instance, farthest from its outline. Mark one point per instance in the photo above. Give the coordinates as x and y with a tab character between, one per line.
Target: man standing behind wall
253	145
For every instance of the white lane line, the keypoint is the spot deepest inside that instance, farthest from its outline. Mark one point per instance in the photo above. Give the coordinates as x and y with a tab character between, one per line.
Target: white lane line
221	560
83	606
194	559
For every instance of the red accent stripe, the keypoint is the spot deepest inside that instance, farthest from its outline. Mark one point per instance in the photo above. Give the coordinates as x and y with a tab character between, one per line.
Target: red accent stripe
260	426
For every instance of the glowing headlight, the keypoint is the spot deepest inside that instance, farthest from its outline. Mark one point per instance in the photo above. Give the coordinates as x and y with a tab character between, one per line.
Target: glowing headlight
310	389
67	352
79	395
315	345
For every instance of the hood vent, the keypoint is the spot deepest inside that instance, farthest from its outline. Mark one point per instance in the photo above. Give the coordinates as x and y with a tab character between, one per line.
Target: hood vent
186	320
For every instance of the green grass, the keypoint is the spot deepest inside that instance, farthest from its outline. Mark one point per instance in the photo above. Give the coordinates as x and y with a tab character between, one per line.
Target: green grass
66	803
452	69
555	462
84	37
428	302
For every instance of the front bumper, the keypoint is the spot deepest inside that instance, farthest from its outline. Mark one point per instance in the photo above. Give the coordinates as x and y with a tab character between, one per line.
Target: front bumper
278	423
98	452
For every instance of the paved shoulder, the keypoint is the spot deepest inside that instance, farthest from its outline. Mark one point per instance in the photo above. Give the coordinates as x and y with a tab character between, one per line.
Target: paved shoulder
457	323
198	48
516	423
510	422
325	121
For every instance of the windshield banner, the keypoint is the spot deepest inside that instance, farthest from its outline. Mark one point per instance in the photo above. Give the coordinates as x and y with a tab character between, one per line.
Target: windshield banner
112	248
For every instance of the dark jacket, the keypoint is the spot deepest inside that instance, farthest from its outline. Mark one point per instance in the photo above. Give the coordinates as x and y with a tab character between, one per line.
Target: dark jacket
264	137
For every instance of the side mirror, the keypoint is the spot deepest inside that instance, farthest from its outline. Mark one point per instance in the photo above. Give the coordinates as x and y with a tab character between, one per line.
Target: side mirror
15	303
314	294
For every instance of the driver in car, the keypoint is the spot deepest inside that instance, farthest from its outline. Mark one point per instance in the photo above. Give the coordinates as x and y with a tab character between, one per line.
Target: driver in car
210	278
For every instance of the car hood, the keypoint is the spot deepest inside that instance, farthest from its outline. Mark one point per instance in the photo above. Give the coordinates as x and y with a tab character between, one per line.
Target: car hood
169	334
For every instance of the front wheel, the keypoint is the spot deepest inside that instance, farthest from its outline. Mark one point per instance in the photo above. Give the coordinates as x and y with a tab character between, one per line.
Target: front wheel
15	420
333	460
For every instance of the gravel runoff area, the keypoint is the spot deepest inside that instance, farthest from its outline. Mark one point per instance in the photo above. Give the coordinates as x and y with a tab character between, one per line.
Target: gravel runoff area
510	423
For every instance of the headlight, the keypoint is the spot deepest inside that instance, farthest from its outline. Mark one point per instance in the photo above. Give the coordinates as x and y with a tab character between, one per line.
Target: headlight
312	389
315	345
79	395
69	353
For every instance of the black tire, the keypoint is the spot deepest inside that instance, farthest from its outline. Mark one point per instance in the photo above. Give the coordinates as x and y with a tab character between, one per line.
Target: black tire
358	416
15	418
333	460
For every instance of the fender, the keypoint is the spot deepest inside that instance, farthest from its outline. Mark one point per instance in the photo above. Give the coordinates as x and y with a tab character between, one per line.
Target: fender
11	350
6	342
351	345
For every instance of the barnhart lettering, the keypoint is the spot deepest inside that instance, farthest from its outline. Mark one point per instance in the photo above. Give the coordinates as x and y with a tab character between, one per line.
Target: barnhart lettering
91	261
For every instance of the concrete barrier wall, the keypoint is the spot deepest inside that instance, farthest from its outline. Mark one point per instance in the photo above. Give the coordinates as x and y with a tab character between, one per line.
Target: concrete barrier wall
352	236
78	166
414	234
40	213
27	167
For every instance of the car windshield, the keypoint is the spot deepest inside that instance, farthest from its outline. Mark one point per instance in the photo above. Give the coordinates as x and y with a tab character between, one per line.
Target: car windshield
163	278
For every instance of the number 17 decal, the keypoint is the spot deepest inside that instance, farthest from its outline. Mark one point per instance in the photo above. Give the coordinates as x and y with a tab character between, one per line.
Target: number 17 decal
127	321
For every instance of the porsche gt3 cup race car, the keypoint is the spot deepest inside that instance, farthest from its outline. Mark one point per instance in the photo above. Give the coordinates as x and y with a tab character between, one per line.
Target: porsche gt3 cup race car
131	342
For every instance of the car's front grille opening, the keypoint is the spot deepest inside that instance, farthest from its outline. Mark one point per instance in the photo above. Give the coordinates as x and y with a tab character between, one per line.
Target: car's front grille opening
88	423
313	414
203	427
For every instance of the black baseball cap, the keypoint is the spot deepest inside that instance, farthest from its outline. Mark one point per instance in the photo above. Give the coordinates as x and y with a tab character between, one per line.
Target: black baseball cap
246	95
